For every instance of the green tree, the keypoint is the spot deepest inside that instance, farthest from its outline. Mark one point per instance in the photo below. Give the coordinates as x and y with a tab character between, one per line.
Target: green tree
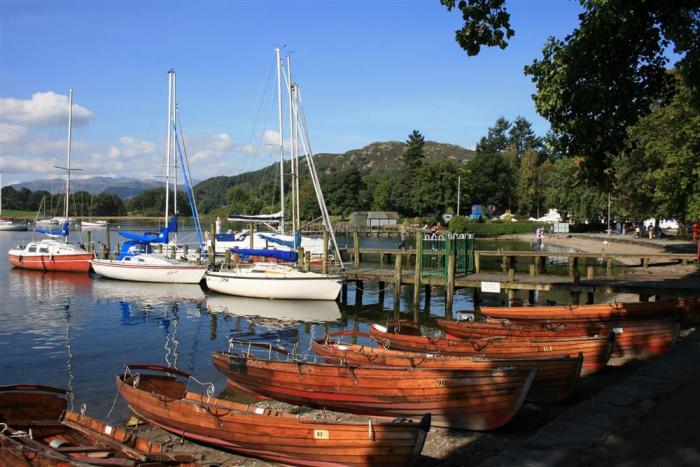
606	74
527	183
486	22
488	180
522	136
413	155
659	174
566	191
497	138
342	191
436	189
381	194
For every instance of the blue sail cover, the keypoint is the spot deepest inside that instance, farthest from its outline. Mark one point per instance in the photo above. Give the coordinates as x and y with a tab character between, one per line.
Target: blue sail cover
153	237
133	248
293	244
56	233
290	256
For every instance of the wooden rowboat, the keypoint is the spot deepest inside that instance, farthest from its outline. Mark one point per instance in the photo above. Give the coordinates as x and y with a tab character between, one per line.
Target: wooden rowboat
633	337
160	397
37	430
596	350
685	308
466	399
555	379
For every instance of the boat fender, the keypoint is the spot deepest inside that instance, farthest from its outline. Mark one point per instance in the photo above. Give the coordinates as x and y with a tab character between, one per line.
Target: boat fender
20	258
57	443
370	430
380	328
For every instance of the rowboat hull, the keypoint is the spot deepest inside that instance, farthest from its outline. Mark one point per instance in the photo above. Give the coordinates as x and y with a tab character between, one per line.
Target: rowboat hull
472	400
162	400
669	308
310	286
596	350
63	438
554	382
62	263
172	274
633	338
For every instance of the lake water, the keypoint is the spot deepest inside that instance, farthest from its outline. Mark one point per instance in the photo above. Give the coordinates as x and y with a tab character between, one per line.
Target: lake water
78	330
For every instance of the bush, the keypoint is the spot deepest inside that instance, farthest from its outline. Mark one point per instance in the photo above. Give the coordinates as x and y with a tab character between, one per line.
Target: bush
491	229
590	227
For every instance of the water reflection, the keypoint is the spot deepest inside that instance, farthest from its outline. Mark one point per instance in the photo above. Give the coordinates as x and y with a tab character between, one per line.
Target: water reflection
275	313
145	293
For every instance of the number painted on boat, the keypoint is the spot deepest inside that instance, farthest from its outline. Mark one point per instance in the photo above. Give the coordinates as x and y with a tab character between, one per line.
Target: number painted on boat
547	348
441	382
322	434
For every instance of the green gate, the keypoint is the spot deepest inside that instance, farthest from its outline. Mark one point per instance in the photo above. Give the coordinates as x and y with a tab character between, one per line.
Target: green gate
436	249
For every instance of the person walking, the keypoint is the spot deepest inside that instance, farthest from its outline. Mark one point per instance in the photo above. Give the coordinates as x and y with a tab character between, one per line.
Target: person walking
538	238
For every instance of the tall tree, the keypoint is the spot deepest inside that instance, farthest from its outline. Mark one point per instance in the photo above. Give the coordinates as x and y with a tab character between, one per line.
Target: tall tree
606	74
659	174
522	136
527	183
488	180
497	138
413	155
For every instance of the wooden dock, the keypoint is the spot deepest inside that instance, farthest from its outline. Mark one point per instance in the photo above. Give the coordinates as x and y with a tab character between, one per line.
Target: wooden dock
407	271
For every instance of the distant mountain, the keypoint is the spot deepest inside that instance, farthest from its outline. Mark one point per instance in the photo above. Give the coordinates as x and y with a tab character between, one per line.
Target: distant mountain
124	187
378	159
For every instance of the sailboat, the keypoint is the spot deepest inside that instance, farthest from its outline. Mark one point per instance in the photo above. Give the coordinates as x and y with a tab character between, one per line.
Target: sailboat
52	254
274	279
8	225
137	260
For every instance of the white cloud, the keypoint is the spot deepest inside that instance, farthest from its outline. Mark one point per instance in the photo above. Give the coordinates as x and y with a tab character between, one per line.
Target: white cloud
132	147
11	133
43	109
212	147
14	164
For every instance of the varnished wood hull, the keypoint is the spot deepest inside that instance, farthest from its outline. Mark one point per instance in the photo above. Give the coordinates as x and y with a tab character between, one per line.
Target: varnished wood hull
633	338
161	400
474	400
555	379
61	437
596	350
686	308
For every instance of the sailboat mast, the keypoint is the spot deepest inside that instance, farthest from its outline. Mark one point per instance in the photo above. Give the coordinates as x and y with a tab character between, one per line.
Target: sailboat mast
174	146
70	130
296	154
168	142
279	120
290	88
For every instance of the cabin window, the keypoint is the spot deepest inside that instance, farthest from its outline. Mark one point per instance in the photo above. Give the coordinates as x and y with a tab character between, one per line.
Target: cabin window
44	250
32	249
141	260
128	258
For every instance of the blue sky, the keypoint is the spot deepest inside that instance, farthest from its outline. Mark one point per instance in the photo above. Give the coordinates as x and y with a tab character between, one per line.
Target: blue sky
369	71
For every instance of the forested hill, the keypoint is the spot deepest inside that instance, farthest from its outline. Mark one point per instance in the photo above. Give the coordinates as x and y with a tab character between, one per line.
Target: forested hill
377	159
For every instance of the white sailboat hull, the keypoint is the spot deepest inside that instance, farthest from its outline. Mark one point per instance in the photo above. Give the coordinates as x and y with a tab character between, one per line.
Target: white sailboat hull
297	286
9	227
174	274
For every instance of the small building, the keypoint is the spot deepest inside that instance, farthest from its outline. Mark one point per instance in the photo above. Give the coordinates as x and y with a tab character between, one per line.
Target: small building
374	218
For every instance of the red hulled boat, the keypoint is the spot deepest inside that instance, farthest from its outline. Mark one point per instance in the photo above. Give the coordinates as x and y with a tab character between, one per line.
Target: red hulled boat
38	430
466	399
161	398
51	255
596	350
555	379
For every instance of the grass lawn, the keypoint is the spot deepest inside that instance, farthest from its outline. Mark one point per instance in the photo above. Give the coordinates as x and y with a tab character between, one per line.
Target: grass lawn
18	214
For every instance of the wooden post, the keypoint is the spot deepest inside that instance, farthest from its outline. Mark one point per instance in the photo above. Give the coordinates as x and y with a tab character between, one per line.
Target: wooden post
359	285
426	300
381	259
89	240
251	235
344	293
449	299
590	298
575	297
538	265
210	254
212	237
227	259
533	270
108	240
300	258
325	252
307	261
199	255
356	247
609	267
531	297
186	250
382	286
476	297
397	281
504	265
419	264
173	251
590	272
511	296
104	251
645	263
477	262
511	275
573	265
